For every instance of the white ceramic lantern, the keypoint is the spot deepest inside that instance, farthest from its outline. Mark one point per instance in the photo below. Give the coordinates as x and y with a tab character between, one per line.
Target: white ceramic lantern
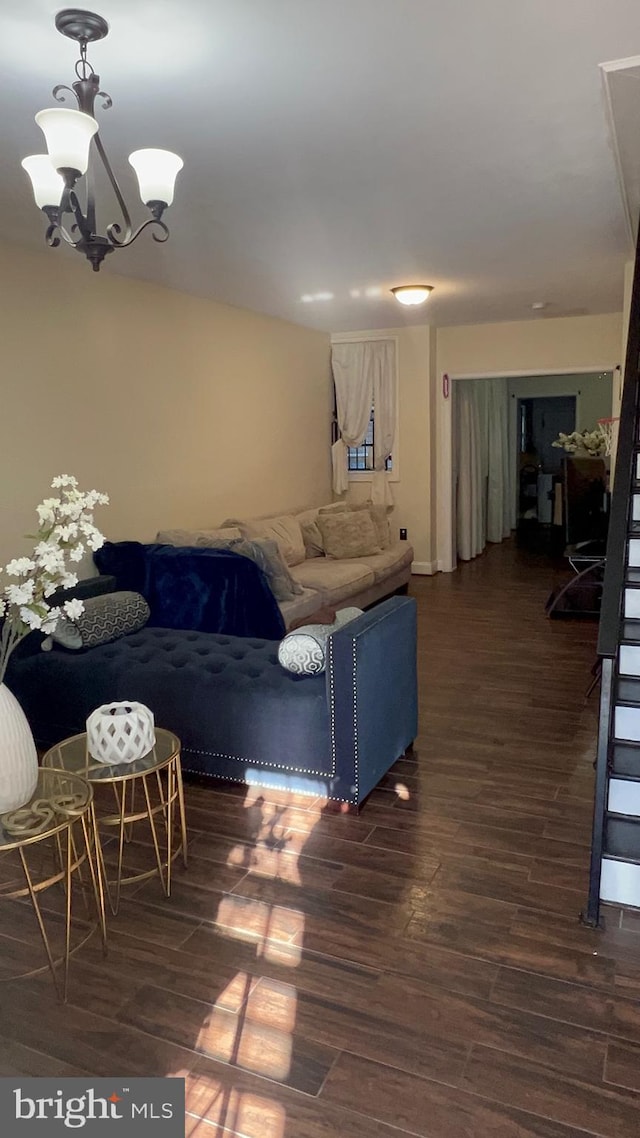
120	732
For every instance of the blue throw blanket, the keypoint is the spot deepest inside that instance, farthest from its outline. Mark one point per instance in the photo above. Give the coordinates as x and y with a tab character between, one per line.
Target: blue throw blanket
207	590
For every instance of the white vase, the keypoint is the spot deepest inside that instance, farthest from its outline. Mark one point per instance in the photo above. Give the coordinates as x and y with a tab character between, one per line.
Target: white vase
18	755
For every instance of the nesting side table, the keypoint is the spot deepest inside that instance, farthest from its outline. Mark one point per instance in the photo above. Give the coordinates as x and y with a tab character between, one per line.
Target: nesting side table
54	835
150	789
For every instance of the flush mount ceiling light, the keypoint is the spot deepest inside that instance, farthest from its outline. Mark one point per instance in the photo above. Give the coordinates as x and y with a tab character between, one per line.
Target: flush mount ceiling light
69	136
412	294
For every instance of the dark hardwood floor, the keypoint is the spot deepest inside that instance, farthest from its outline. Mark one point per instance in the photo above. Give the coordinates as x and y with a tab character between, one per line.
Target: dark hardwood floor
418	969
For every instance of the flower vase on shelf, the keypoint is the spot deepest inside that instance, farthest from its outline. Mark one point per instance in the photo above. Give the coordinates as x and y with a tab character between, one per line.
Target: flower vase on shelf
18	755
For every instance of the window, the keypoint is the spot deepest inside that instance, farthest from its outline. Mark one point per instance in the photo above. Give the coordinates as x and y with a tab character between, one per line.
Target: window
361	458
381	362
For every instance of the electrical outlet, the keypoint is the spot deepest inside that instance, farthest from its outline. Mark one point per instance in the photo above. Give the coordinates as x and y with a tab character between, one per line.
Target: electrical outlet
403	535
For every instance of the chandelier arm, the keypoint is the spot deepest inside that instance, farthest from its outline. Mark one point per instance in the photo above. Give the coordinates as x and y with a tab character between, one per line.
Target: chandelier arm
81	222
118	192
61	98
51	235
114	229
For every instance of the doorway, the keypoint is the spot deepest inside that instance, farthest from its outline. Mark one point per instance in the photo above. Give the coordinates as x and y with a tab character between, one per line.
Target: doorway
540	420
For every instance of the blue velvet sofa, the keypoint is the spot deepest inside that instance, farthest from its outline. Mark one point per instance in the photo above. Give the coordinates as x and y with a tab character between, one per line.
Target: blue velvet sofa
239	715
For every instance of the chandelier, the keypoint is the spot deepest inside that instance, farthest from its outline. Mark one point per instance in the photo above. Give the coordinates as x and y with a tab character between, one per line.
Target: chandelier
72	137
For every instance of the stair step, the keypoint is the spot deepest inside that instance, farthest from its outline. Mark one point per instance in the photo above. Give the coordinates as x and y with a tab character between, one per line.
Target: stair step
624	798
633	556
622	836
632	602
626	722
620	881
628	692
628	661
630	631
633	576
625	760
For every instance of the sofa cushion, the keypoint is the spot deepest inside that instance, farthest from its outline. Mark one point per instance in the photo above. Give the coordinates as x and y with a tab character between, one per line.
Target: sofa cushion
390	560
334	580
349	534
285	529
206	538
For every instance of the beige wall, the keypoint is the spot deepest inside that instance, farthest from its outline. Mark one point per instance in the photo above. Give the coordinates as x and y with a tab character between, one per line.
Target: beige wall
567	343
183	410
411	481
570	344
593	393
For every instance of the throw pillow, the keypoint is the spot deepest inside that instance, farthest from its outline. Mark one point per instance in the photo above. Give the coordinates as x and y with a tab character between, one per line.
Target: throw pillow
380	521
284	529
349	534
267	556
105	618
209	538
303	652
312	538
335	508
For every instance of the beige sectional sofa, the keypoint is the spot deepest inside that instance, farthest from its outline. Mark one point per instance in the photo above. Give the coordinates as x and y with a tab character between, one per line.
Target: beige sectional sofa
323	580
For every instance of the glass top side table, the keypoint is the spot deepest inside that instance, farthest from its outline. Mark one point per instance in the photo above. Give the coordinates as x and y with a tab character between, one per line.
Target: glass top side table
149	789
61	804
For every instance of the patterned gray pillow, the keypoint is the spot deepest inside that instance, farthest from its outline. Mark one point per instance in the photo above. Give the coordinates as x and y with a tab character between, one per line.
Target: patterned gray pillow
105	618
303	652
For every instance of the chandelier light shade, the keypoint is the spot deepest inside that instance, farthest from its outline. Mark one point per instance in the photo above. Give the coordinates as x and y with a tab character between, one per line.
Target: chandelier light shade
48	185
157	171
412	294
74	144
68	137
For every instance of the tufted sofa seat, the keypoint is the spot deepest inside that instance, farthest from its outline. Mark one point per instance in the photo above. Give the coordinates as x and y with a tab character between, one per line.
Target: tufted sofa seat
239	715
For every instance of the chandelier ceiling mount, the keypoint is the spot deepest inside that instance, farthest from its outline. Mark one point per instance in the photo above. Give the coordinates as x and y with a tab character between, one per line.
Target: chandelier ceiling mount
71	137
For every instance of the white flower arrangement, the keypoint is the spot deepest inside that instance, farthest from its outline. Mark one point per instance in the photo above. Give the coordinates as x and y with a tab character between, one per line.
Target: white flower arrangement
592	443
65	531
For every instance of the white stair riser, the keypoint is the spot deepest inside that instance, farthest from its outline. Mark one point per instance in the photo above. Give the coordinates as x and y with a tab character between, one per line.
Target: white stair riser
624	797
636	508
620	882
627	723
634	553
629	660
632	604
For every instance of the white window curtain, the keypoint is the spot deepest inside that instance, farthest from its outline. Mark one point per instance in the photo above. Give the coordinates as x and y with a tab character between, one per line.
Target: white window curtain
364	374
484	491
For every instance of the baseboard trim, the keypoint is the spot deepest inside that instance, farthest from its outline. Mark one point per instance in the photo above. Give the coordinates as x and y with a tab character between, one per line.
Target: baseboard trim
423	568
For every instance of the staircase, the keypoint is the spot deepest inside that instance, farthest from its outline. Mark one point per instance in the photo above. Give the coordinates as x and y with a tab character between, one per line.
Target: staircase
615	848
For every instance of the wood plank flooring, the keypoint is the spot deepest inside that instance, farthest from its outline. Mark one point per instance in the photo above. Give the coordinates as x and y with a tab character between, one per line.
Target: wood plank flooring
419	969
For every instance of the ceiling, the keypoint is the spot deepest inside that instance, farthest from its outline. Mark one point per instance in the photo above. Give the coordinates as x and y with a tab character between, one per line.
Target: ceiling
335	149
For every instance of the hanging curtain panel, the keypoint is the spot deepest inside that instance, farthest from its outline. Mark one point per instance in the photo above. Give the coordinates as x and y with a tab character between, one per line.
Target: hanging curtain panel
484	470
364	374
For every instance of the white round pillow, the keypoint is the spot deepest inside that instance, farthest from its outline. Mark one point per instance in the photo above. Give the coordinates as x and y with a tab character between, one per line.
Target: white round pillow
303	651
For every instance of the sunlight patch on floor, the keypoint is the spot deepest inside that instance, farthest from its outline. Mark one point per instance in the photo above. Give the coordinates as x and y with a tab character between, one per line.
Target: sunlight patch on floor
253	920
230	1110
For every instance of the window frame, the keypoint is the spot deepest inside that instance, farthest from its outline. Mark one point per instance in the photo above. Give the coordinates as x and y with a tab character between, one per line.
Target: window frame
362	338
